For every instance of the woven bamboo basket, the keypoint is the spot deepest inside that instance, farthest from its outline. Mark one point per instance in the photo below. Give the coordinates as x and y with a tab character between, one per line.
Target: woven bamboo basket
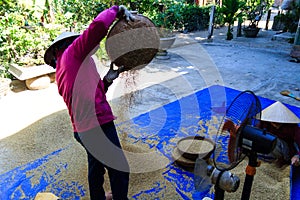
132	44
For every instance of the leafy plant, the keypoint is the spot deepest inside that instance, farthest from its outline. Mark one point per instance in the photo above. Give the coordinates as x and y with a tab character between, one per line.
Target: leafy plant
195	17
231	10
254	11
6	6
179	16
289	19
20	44
76	14
168	15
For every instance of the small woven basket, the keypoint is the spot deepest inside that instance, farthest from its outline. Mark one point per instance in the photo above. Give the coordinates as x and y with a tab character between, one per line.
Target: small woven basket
132	44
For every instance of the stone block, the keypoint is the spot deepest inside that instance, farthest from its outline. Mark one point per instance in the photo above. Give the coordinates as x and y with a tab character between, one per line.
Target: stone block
295	52
38	83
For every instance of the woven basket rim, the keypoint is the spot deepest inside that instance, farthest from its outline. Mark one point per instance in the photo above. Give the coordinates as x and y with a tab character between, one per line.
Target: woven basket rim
135	56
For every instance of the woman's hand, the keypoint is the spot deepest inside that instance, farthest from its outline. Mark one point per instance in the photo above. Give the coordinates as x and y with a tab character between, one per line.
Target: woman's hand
295	160
124	13
112	74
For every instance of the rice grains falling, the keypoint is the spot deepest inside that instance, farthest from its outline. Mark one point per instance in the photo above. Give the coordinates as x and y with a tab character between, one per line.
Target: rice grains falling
131	44
130	82
129	98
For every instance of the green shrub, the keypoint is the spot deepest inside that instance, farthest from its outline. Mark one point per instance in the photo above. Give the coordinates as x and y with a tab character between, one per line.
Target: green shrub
231	11
195	18
23	45
290	19
20	44
219	17
76	14
180	16
24	36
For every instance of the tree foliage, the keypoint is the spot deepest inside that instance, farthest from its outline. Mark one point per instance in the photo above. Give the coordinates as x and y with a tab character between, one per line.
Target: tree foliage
27	29
23	39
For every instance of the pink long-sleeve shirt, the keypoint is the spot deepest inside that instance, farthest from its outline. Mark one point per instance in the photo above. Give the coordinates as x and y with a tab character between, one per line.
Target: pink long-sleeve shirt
77	78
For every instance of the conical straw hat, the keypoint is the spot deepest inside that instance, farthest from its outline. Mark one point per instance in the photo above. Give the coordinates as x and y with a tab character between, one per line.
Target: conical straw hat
277	112
49	54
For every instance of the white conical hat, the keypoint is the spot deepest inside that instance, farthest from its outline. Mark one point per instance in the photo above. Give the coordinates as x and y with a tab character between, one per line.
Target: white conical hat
277	112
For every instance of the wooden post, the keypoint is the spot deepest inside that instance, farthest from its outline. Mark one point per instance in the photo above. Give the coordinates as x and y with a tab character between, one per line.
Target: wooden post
268	19
211	22
295	52
239	28
297	36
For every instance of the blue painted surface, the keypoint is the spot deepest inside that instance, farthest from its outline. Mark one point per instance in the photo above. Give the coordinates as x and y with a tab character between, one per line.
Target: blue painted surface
156	128
182	114
295	183
26	181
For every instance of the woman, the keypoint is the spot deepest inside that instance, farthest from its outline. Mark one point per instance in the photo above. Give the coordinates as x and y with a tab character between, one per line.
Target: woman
278	120
84	94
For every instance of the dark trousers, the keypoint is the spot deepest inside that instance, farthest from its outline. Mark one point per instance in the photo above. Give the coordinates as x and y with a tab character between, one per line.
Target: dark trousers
119	179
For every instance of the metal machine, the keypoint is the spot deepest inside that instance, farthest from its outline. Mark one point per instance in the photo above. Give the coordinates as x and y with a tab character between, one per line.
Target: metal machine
237	138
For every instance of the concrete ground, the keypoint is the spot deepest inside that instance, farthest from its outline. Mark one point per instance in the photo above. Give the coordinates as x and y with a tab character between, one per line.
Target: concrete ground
35	123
